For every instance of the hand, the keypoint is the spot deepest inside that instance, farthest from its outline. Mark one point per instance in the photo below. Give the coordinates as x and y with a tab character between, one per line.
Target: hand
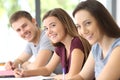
58	77
19	73
9	66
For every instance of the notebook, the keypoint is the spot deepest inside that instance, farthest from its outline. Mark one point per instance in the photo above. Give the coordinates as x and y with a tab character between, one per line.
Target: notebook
6	73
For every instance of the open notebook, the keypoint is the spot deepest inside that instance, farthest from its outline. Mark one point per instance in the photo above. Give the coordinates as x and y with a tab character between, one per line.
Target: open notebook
6	73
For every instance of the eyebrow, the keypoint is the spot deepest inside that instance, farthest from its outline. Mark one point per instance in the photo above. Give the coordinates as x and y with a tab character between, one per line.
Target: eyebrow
49	24
23	24
86	20
52	23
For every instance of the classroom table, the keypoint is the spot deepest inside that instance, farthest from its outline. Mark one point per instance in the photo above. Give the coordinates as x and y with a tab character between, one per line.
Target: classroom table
29	78
25	78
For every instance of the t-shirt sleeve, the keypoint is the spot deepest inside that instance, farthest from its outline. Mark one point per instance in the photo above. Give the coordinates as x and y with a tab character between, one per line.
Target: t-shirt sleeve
76	43
28	49
95	51
45	43
59	50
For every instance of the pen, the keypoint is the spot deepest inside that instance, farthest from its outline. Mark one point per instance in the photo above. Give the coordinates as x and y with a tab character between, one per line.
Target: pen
63	73
19	66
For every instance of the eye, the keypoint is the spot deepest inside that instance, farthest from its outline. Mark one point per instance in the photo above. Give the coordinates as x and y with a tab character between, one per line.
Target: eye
52	25
45	28
87	23
18	30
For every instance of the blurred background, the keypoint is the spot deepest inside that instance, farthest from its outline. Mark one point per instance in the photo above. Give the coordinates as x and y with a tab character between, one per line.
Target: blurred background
11	45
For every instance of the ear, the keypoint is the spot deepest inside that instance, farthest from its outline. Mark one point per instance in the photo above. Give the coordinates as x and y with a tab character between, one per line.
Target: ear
33	20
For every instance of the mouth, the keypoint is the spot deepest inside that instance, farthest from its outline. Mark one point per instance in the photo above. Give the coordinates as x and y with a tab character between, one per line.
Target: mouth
89	38
27	35
53	37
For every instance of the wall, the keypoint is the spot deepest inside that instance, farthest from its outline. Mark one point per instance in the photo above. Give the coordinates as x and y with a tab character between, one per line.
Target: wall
118	12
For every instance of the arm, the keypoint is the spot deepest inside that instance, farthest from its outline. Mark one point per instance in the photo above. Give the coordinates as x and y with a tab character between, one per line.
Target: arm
111	71
41	59
77	58
44	52
87	72
20	60
44	71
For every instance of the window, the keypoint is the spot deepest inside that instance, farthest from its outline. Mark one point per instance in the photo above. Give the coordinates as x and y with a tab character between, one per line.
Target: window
11	45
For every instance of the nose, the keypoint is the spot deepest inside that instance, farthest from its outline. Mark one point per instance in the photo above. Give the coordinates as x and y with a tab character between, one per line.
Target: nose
83	31
49	31
22	32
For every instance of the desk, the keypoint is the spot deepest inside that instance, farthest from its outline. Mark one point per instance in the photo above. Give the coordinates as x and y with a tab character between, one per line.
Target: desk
29	78
2	66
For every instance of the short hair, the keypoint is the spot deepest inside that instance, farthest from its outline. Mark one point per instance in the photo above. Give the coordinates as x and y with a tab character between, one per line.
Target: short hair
19	14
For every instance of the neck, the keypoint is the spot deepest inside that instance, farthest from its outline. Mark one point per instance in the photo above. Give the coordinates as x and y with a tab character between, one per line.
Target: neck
105	43
36	40
67	40
67	43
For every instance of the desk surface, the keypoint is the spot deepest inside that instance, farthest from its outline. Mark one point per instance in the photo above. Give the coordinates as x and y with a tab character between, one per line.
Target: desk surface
29	78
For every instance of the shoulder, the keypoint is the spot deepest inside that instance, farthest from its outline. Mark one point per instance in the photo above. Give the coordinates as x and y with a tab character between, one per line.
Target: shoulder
116	42
95	49
77	43
60	49
43	37
116	46
76	39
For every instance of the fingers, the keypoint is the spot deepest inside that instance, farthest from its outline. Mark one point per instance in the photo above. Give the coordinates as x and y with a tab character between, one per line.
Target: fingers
9	66
18	73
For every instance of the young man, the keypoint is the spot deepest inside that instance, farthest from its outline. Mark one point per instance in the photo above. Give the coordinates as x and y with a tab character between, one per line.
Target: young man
38	44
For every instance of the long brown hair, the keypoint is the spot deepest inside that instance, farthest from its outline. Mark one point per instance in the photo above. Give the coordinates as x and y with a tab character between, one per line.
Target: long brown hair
102	16
71	28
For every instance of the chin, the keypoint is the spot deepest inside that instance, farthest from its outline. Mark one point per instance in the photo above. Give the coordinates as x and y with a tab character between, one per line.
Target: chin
92	43
29	40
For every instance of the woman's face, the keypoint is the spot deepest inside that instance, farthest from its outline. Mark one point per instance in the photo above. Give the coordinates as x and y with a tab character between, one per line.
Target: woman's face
54	29
87	26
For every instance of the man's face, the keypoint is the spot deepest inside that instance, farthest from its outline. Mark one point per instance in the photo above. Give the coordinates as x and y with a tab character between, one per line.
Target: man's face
25	28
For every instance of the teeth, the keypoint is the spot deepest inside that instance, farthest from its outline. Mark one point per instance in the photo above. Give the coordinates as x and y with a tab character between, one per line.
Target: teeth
52	37
89	37
27	35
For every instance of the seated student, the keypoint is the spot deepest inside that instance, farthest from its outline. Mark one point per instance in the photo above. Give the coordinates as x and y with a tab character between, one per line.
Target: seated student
96	25
38	44
70	48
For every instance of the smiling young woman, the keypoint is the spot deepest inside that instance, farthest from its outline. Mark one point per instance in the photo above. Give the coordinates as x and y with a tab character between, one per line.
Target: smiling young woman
97	26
